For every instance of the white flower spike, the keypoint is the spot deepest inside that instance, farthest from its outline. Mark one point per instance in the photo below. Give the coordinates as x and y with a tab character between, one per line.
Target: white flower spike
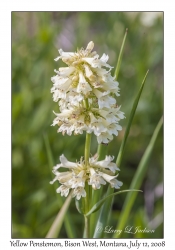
95	174
86	93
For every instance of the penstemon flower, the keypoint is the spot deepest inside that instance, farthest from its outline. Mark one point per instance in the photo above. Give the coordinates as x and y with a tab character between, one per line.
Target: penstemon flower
86	94
96	173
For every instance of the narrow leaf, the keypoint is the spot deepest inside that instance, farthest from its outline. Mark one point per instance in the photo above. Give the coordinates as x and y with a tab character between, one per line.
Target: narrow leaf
100	203
48	151
97	194
103	219
80	206
83	205
134	107
137	180
120	56
57	224
68	219
102	151
104	215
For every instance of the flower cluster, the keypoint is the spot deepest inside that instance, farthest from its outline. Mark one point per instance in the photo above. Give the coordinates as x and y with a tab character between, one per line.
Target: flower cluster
97	173
86	93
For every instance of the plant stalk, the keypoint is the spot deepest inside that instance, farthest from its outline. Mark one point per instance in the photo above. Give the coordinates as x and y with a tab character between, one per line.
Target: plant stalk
87	149
87	187
87	227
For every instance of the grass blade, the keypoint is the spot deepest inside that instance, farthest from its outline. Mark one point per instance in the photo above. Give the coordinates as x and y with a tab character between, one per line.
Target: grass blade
103	219
48	151
57	224
103	216
134	107
120	56
68	220
100	203
102	150
137	180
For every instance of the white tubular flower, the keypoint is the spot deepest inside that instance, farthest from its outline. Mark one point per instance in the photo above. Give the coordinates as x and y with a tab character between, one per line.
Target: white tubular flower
74	98
61	177
88	73
104	100
65	71
95	179
113	128
67	164
83	86
98	127
104	137
95	173
112	180
79	192
106	163
66	128
78	180
86	94
64	190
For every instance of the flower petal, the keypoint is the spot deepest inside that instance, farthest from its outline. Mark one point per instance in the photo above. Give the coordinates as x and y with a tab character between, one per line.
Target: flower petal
66	163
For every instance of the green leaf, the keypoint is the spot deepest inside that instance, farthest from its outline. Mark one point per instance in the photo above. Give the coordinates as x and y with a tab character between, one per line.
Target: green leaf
104	214
120	56
134	107
57	224
68	219
100	203
80	205
97	194
102	220
137	180
48	151
102	151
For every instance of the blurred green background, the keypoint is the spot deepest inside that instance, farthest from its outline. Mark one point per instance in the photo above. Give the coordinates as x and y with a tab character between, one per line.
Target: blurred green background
36	38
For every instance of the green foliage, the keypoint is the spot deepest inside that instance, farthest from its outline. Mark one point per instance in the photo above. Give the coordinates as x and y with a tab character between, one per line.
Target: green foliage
57	224
97	206
36	37
102	220
138	178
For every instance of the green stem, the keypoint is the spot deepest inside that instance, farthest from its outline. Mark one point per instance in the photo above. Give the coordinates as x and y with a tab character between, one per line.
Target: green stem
97	194
87	187
102	151
87	148
87	208
88	139
87	227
